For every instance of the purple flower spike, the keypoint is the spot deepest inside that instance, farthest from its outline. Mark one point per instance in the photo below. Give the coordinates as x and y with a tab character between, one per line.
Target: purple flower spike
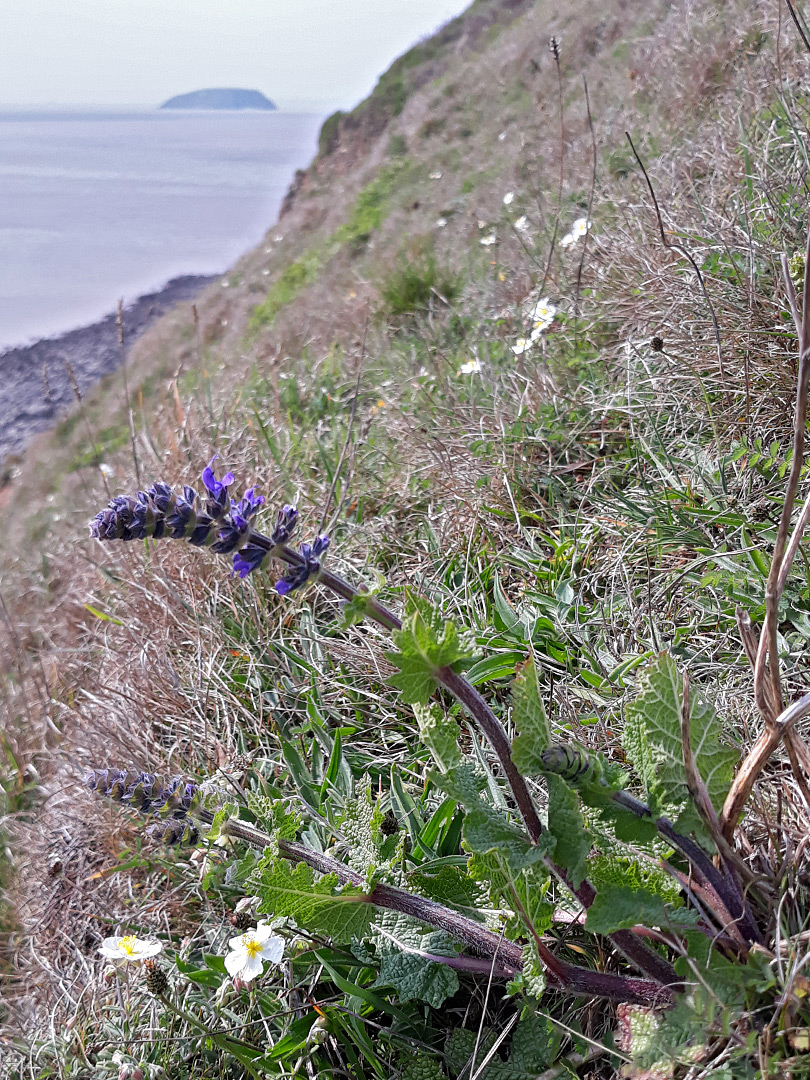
311	565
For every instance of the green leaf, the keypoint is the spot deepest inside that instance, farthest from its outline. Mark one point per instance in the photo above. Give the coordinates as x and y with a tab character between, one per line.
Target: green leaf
619	907
274	816
419	1066
415	978
532	1051
225	812
360	824
529	717
426	643
652	739
439	734
573	841
319	906
487	830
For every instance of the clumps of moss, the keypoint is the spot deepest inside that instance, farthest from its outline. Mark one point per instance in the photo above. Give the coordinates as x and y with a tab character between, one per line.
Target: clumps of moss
407	289
293	278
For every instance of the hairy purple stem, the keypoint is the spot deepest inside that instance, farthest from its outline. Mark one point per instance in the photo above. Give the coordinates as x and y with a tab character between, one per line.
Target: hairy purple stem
507	956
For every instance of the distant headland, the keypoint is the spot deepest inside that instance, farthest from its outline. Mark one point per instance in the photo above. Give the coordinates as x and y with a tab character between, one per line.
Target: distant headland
221	98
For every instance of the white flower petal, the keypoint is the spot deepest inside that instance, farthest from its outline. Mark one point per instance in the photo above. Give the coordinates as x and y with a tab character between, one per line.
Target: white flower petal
567	240
252	967
239	942
149	948
273	949
234	962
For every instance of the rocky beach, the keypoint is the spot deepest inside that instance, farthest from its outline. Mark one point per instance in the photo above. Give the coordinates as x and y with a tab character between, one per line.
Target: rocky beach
36	379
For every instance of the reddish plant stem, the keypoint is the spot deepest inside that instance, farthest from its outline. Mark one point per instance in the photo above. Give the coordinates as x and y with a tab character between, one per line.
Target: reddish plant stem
506	955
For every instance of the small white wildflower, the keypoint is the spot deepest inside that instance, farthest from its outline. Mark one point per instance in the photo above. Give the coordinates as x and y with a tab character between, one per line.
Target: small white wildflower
249	950
502	136
129	948
542	314
481	224
277	239
567	240
508	198
225	284
265	272
521	346
488	240
522	223
580	227
106	470
436	175
441	222
472	367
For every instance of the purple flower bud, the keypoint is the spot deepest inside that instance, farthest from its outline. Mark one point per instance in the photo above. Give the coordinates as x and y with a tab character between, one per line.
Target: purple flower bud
285	525
298	575
219	502
247	560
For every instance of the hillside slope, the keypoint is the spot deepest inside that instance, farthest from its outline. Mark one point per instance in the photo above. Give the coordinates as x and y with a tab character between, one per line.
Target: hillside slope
371	361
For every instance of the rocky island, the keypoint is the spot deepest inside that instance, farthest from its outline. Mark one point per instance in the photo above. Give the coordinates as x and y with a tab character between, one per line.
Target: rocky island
220	98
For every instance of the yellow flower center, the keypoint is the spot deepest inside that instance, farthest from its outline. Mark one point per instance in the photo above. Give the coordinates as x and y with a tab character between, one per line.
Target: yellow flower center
252	947
127	944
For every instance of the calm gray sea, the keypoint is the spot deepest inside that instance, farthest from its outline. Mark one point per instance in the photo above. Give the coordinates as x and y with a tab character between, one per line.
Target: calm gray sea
100	205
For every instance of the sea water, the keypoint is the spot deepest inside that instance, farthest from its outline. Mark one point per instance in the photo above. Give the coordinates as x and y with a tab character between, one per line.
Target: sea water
101	205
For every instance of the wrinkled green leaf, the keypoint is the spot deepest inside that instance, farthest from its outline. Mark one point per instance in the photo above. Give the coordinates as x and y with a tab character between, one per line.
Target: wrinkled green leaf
426	643
565	823
529	717
619	907
439	734
321	906
652	739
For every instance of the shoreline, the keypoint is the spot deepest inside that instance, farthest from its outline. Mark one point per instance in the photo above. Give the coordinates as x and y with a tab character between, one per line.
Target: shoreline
36	385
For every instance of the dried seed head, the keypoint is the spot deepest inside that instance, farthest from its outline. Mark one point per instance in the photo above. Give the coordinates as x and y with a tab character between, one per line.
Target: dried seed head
156	979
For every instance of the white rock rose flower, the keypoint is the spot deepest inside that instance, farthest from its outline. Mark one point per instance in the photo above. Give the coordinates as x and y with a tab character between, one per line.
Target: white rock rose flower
521	346
578	229
472	367
542	315
250	950
522	223
508	198
488	240
441	222
129	948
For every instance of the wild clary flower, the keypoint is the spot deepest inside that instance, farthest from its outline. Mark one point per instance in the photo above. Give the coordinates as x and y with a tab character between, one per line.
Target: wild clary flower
508	198
215	520
309	567
149	795
472	367
250	950
129	948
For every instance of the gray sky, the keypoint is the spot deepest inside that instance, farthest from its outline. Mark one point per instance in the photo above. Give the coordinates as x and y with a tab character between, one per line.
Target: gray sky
318	54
